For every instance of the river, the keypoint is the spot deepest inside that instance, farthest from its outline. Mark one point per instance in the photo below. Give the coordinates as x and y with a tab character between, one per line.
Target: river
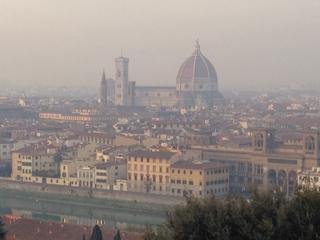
120	214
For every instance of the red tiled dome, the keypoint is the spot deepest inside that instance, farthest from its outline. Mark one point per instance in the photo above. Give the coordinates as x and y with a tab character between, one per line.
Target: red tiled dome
196	68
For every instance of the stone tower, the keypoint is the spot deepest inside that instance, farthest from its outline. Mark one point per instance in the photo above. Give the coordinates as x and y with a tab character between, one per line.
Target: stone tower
124	89
103	91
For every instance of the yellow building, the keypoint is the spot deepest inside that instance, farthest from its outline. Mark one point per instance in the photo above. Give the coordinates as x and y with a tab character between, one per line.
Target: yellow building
149	171
199	179
32	160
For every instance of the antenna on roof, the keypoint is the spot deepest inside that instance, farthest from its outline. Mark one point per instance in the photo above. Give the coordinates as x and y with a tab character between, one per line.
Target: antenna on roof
197	44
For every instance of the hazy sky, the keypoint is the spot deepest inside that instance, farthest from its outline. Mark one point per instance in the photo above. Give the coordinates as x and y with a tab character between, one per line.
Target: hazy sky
252	43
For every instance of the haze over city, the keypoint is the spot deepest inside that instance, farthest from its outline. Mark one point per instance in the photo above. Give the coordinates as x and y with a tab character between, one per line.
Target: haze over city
159	120
253	45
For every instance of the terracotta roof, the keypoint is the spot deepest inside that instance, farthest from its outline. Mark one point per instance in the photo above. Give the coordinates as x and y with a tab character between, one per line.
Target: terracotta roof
28	229
152	154
110	164
184	164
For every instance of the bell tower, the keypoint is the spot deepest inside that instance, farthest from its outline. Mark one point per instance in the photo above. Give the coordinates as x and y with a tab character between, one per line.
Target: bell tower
121	81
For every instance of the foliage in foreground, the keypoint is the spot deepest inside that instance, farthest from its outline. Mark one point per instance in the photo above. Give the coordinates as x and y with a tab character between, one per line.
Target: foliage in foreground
263	217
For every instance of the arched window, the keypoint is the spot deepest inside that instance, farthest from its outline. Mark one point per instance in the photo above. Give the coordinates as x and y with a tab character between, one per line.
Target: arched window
259	141
310	144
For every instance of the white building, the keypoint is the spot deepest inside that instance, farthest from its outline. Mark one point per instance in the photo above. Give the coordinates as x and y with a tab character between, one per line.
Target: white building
309	179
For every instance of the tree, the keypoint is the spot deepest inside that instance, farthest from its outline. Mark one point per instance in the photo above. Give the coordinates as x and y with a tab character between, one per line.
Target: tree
264	216
302	217
117	236
96	233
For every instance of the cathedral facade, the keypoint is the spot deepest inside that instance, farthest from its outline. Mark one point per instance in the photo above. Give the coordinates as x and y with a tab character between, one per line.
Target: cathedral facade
196	86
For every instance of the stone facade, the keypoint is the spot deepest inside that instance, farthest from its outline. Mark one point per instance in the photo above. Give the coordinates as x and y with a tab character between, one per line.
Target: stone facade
267	164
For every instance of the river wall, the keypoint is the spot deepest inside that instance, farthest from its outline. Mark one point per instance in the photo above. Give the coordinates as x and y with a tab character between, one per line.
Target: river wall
92	193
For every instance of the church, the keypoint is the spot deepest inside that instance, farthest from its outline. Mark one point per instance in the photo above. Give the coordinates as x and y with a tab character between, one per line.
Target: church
196	86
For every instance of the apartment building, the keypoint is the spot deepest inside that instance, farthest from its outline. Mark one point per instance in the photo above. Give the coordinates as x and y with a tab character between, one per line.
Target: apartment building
149	171
102	175
199	179
107	174
33	160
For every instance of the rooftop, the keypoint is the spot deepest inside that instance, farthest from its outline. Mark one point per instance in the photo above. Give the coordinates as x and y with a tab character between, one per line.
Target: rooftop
186	164
152	154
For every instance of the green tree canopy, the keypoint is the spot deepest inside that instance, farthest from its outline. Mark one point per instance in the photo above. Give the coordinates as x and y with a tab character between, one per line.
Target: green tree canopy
265	216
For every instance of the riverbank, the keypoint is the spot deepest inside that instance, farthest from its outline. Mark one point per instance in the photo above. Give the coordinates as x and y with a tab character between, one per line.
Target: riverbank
40	202
94	194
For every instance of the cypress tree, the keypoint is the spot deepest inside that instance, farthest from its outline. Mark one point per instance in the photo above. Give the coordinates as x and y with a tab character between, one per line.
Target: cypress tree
117	236
96	233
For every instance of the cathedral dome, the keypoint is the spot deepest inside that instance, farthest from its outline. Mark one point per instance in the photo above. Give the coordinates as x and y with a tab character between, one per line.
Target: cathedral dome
197	82
195	70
